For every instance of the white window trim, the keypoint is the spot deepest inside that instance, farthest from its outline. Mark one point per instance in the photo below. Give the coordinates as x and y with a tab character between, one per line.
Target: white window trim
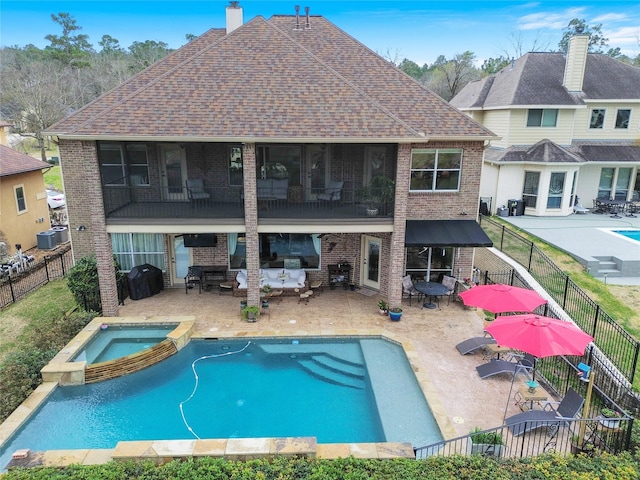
436	170
526	120
24	196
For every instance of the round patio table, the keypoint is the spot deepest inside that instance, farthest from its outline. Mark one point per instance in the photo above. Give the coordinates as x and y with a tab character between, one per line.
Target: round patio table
431	290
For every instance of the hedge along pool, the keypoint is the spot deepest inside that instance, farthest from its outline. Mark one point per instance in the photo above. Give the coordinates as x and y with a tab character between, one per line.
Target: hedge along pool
340	390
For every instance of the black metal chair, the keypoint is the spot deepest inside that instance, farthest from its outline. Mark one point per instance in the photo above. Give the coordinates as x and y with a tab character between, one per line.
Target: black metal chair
193	277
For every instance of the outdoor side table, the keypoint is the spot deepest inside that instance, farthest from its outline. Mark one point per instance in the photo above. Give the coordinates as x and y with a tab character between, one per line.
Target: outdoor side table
525	399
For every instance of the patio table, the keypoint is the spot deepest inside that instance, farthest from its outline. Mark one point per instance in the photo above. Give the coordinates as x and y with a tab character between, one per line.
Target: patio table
431	290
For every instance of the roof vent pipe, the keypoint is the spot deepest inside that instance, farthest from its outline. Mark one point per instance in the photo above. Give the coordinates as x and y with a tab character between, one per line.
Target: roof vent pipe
234	16
307	25
297	27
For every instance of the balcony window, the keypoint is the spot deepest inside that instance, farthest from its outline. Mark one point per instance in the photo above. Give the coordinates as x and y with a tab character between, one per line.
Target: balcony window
597	118
539	117
280	162
530	190
436	169
236	172
622	118
132	249
123	164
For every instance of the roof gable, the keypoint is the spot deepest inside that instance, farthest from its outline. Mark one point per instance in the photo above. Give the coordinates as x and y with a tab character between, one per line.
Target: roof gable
265	81
536	79
13	163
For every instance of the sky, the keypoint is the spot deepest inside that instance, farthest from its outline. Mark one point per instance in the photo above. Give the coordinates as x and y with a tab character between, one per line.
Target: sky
419	31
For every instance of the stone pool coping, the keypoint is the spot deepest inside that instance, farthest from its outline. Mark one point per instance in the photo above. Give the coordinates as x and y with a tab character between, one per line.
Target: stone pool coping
234	449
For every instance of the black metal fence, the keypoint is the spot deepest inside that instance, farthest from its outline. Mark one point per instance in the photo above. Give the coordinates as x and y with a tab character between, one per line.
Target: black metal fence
610	337
569	435
18	285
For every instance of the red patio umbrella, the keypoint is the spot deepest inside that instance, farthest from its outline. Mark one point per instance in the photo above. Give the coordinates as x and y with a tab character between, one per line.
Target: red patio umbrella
539	336
499	298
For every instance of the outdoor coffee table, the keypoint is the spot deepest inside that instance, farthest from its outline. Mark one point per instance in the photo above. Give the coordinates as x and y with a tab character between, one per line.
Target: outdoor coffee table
431	290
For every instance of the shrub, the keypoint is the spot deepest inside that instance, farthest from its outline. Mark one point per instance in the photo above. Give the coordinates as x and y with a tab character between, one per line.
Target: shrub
489	438
83	282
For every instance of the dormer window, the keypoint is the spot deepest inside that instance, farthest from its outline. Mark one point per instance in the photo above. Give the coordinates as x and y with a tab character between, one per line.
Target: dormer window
597	118
622	118
542	117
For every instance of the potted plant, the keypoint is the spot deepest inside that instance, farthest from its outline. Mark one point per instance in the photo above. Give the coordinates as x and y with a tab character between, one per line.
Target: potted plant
383	307
266	288
395	313
251	313
607	414
378	195
584	447
487	444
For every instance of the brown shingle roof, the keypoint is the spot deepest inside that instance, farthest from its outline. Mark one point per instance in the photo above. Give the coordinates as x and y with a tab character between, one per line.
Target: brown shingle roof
12	162
265	81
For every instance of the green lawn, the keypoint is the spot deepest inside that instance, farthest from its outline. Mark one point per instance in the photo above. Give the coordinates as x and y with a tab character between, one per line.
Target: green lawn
54	177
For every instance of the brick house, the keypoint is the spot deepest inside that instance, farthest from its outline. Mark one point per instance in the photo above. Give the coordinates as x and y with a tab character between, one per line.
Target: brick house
568	125
274	143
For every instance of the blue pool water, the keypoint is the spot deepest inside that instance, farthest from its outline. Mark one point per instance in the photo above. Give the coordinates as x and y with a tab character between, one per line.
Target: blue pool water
632	234
338	390
119	341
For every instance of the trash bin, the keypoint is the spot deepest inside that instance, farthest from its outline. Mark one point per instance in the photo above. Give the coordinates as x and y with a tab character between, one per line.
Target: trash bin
47	240
62	234
503	211
144	281
516	208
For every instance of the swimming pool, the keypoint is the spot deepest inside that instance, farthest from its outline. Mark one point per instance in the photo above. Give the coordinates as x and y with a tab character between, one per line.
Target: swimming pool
340	390
629	234
115	341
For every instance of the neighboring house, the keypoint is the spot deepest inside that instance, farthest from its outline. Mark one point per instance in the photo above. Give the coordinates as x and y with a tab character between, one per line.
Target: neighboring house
23	199
289	144
568	125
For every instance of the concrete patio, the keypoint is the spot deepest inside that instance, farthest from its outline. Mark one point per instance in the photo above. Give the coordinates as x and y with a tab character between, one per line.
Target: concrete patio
454	386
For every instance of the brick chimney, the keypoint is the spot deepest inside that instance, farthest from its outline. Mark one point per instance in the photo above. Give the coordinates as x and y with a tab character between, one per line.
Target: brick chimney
234	16
575	63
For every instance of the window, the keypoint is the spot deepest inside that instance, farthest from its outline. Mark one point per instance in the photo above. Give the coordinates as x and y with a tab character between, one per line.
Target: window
530	190
279	162
556	188
622	183
132	249
436	169
21	202
236	174
417	262
622	118
538	117
123	164
278	250
597	118
606	183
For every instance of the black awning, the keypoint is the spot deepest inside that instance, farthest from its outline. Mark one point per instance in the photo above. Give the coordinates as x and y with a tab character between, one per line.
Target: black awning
445	233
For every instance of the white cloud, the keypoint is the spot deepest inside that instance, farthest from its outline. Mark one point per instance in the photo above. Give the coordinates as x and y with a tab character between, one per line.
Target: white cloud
609	17
623	36
549	19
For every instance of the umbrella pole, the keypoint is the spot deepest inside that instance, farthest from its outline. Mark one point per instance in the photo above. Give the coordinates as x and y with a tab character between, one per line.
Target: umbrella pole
510	391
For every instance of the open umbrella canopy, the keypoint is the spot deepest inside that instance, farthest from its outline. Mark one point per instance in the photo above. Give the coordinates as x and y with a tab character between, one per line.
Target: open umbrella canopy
539	336
499	298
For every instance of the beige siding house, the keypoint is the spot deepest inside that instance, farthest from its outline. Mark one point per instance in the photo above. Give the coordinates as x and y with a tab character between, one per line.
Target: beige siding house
23	199
278	143
568	127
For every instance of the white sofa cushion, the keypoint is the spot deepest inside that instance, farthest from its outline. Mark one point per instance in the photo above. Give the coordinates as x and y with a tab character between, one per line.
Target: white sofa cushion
276	277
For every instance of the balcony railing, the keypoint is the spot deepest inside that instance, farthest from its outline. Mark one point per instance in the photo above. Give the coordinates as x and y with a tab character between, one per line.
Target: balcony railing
149	202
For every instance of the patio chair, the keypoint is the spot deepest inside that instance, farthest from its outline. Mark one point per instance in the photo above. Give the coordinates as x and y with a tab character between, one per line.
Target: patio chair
472	344
497	366
451	283
549	416
332	193
193	277
195	190
409	290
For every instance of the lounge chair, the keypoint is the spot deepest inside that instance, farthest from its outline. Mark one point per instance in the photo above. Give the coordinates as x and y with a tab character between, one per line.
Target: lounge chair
473	343
495	367
549	416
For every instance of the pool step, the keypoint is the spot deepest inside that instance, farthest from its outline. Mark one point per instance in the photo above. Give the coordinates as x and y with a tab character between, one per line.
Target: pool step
118	367
331	375
356	370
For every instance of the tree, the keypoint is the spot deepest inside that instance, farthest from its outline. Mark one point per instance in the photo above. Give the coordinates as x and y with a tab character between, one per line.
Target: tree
412	69
72	50
597	42
110	45
494	65
144	54
448	76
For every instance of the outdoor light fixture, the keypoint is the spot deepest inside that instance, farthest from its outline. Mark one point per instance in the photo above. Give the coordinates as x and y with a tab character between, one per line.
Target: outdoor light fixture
81	228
